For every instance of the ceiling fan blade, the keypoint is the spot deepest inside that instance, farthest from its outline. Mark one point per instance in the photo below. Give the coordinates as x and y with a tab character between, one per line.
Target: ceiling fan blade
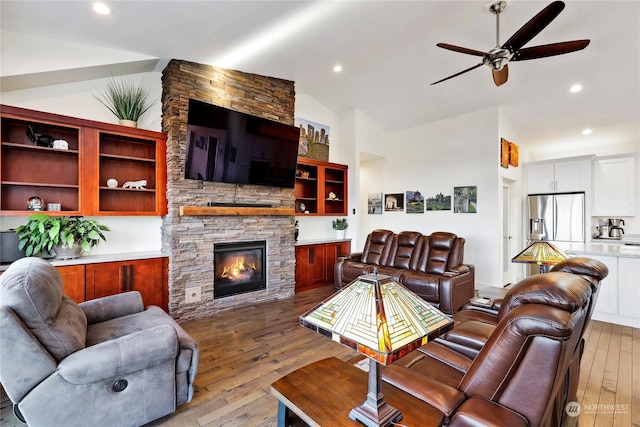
457	74
500	77
552	49
461	49
534	26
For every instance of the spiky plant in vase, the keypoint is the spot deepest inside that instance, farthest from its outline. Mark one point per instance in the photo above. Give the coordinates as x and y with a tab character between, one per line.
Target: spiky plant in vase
126	100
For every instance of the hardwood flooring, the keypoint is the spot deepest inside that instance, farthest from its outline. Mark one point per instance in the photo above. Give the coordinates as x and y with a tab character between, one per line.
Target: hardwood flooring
244	350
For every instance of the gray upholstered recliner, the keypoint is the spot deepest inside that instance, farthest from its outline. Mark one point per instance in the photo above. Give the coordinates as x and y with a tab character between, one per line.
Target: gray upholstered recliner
104	362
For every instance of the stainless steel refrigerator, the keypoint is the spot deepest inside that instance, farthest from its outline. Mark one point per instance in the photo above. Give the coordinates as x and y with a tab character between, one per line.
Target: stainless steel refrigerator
557	218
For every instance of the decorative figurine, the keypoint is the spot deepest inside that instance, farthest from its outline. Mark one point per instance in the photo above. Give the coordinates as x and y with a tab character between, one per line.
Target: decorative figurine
112	183
135	184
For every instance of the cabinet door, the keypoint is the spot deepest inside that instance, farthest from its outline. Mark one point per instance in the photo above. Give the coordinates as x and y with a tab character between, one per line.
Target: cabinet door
570	176
73	281
607	301
146	276
629	292
614	187
310	266
540	178
332	252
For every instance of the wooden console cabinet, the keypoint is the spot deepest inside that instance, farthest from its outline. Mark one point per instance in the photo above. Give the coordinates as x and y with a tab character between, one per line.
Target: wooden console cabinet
315	261
76	177
148	276
321	188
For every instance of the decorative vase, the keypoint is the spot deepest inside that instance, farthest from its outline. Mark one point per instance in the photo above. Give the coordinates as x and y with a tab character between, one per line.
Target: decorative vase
66	252
340	234
129	123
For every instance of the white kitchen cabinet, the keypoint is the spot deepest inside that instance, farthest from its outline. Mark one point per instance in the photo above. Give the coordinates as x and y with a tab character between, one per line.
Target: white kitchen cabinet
607	301
559	176
628	289
614	186
619	295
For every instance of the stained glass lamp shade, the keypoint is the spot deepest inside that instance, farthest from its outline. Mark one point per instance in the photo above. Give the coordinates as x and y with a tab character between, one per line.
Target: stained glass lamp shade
383	320
541	253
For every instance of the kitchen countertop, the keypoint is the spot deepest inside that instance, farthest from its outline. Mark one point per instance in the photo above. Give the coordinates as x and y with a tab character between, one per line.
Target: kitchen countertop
93	259
618	250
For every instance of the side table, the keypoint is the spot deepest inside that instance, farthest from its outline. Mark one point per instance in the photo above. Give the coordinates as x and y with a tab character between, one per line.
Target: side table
324	392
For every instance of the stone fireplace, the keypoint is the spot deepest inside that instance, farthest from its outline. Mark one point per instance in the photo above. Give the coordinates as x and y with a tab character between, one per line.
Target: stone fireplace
191	238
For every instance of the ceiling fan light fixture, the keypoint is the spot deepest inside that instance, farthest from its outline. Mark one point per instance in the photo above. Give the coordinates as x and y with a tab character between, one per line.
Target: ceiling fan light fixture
101	8
587	131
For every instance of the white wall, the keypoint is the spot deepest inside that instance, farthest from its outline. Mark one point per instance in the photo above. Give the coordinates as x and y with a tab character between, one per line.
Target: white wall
432	158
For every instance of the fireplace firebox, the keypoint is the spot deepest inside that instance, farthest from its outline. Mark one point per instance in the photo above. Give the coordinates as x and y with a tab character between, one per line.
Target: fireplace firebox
239	267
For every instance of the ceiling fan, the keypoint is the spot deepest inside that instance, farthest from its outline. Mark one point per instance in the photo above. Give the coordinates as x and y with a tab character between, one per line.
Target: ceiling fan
512	50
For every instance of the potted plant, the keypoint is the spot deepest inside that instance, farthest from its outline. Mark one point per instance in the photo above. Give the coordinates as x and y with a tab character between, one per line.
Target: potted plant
340	225
127	100
66	236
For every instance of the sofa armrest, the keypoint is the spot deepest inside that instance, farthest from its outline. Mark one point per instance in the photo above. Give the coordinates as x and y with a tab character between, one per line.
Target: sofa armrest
456	289
354	256
120	356
112	306
441	396
456	271
476	411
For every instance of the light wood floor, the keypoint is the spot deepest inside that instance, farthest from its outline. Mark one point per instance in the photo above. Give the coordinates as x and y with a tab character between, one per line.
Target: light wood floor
243	351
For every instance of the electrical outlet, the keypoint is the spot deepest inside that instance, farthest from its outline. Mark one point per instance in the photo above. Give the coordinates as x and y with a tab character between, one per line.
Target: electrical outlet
192	295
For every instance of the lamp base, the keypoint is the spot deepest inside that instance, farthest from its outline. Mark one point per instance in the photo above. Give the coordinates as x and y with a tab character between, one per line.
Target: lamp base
383	416
375	412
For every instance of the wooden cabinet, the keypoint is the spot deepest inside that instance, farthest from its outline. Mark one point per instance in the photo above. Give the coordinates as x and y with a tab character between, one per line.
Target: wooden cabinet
321	188
614	186
314	263
73	282
556	177
76	177
148	276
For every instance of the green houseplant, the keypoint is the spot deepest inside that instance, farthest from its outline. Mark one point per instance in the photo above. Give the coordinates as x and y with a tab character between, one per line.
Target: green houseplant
127	100
339	224
59	233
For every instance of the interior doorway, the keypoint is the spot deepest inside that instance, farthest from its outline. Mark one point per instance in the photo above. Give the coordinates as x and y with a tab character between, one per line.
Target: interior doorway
508	232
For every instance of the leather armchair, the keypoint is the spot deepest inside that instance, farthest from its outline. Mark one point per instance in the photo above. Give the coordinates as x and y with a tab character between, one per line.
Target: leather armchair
521	369
104	362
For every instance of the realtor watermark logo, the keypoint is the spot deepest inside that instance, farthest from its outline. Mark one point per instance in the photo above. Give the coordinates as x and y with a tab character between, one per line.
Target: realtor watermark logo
573	408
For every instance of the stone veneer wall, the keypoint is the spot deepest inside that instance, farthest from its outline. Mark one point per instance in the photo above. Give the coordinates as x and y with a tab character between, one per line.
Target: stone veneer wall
189	240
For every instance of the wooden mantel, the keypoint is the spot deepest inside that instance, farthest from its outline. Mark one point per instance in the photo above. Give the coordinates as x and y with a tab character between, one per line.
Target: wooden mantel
234	211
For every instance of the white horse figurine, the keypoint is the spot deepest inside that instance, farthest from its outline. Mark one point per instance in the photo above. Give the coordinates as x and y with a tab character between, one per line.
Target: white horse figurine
135	184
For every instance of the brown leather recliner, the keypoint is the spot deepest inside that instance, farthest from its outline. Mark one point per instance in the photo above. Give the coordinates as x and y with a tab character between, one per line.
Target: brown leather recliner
430	266
517	374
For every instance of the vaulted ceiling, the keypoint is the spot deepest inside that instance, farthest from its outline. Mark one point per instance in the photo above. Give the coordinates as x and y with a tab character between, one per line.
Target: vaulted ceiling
387	50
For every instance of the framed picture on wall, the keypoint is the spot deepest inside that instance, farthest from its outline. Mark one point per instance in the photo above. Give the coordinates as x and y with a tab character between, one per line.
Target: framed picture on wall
415	202
394	202
465	199
439	202
374	204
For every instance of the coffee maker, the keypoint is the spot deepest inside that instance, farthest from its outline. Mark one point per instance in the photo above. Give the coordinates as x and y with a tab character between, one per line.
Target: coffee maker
615	231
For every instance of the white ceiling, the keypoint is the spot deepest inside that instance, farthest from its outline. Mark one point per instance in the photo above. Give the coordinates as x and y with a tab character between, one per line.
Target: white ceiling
388	51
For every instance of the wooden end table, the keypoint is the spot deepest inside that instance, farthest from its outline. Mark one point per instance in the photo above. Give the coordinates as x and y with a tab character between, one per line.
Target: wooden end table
323	393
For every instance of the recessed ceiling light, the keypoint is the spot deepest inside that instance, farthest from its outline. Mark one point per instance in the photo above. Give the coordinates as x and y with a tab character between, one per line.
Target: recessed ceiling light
101	8
587	131
337	68
576	88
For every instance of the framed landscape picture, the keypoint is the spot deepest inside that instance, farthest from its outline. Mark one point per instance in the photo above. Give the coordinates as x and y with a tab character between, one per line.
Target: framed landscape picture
439	202
415	202
465	199
374	204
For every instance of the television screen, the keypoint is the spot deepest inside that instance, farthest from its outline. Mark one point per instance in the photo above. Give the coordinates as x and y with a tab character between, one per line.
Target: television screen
224	145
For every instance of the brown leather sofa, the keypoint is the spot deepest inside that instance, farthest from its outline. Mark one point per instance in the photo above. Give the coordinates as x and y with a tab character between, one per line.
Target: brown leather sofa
430	266
520	374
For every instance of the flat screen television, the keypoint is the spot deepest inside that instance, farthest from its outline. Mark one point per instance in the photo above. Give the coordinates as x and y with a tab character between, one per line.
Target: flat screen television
224	145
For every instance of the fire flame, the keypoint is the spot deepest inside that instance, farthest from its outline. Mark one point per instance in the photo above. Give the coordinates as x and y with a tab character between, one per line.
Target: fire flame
238	270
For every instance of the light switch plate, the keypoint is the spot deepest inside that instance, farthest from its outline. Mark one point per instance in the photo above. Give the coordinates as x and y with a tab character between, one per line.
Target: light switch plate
193	294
